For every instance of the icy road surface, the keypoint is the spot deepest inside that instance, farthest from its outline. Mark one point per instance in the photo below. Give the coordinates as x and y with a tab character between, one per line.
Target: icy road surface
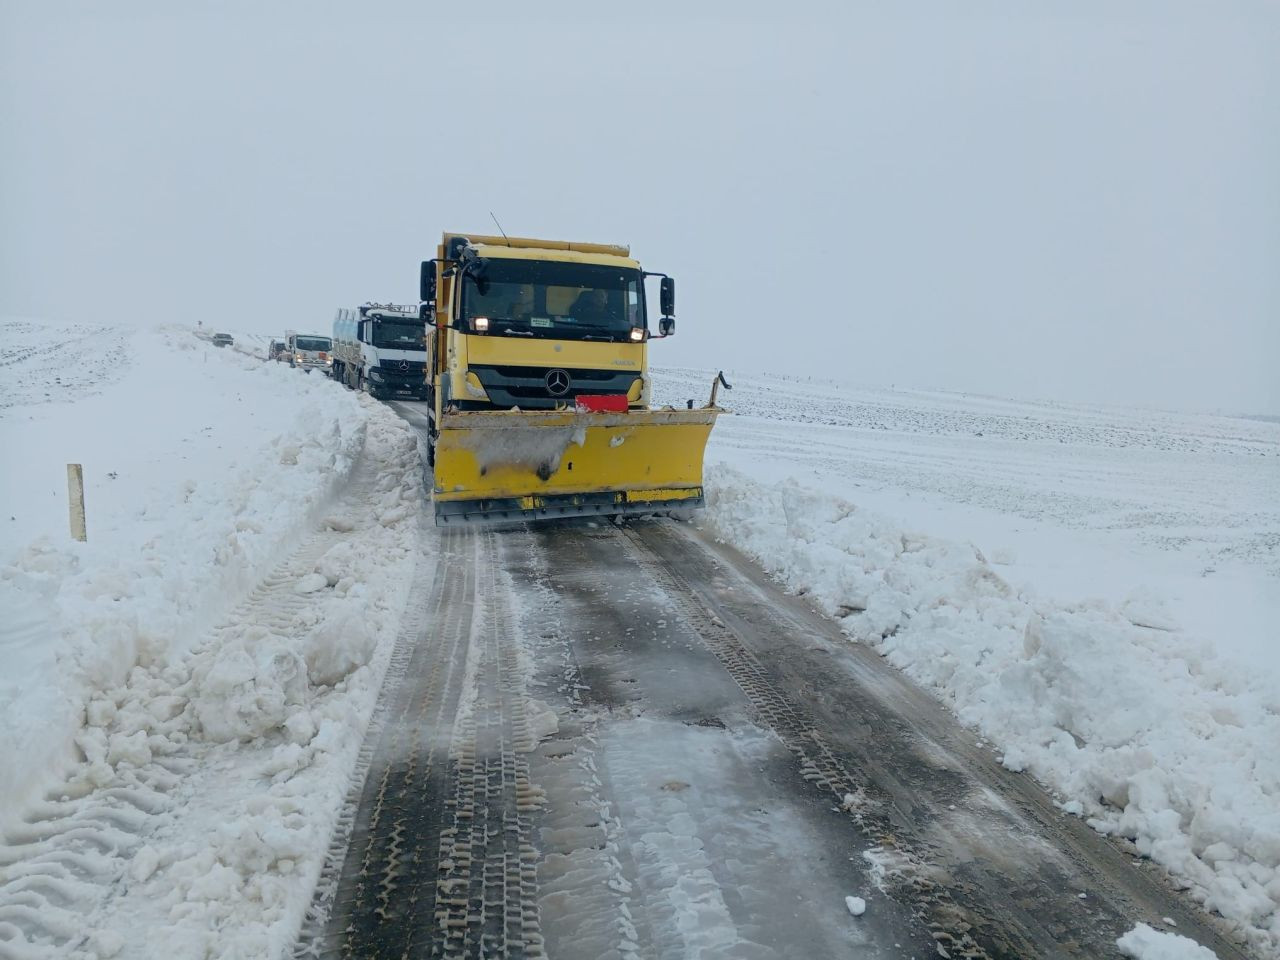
626	742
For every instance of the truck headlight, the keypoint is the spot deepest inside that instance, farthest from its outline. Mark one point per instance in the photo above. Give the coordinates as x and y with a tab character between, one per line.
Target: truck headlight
637	334
481	324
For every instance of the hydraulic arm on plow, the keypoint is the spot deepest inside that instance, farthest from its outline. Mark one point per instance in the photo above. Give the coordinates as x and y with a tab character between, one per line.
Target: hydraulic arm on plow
538	381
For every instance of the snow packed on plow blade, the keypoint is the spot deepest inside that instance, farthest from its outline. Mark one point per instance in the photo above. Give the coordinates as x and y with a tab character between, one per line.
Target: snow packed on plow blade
496	466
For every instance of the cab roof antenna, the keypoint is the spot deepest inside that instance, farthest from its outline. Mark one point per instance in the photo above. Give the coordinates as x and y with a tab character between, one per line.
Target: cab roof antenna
500	230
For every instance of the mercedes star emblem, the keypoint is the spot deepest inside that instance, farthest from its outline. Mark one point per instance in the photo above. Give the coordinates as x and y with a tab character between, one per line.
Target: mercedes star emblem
557	382
404	364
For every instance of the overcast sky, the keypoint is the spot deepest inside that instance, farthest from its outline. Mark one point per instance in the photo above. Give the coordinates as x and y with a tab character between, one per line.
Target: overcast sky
1075	200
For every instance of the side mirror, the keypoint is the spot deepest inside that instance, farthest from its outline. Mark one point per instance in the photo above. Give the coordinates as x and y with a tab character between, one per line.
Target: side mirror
668	296
667	326
424	312
427	282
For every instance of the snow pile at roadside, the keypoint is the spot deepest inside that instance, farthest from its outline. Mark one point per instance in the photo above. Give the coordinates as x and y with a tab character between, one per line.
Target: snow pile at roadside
265	718
1138	725
1145	943
201	466
187	693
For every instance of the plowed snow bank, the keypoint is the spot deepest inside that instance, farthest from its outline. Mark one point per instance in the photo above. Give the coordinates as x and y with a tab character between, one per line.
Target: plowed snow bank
1139	726
201	465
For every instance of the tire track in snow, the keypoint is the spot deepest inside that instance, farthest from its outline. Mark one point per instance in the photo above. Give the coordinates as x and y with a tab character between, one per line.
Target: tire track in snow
587	876
73	856
440	861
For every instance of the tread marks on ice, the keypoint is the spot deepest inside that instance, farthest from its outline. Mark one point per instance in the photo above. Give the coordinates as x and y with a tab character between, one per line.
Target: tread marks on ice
949	924
441	861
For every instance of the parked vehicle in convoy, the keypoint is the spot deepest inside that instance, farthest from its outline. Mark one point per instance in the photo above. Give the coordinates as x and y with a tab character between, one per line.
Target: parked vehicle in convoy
277	350
309	351
381	348
222	340
537	367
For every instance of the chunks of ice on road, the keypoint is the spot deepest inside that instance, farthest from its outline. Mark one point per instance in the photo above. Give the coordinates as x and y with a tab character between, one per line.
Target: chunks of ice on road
340	643
542	721
338	561
311	583
394	515
247	686
1145	943
855	905
144	864
106	944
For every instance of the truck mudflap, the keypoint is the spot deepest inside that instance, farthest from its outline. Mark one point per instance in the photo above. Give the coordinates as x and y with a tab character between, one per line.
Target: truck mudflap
510	465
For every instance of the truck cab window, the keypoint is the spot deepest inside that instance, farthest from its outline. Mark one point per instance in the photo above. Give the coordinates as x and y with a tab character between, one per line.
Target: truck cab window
392	335
557	300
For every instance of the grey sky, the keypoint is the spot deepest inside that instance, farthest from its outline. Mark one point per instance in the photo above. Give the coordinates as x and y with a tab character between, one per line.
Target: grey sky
1076	200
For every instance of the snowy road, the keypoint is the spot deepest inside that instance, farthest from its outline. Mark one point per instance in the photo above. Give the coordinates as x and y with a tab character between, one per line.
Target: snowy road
599	741
266	667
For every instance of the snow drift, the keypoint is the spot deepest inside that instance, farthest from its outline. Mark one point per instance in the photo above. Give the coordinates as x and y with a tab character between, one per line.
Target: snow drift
1137	725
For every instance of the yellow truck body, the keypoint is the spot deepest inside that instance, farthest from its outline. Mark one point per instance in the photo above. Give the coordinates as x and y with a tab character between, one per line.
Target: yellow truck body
539	385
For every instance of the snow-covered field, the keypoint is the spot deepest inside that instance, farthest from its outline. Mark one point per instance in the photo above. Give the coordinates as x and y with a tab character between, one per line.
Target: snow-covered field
184	695
1095	590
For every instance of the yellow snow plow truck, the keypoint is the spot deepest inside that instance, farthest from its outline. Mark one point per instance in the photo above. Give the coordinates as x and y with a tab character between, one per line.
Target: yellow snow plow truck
538	384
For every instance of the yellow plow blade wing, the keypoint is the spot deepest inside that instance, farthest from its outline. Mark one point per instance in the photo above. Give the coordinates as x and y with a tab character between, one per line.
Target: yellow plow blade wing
516	465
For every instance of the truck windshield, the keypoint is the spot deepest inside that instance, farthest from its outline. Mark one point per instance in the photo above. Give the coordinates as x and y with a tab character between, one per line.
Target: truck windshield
311	343
561	301
399	335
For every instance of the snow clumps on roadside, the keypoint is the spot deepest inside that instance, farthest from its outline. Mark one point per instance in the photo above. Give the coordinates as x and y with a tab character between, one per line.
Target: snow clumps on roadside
1145	943
262	720
198	519
1139	726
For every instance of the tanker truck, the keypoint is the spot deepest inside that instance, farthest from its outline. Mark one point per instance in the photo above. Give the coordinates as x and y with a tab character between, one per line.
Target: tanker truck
379	347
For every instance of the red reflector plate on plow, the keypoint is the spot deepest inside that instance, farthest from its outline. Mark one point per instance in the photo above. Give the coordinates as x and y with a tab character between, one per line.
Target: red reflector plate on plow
602	404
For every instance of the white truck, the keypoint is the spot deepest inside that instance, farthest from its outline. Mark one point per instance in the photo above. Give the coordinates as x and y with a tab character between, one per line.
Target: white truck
381	347
308	351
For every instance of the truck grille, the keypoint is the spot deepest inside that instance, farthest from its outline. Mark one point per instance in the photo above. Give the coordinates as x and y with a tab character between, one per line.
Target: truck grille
510	386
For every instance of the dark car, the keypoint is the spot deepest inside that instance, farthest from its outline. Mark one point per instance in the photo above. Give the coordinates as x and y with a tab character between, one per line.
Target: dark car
222	340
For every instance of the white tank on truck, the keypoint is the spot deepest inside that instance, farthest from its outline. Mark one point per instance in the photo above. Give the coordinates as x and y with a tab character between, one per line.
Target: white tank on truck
379	347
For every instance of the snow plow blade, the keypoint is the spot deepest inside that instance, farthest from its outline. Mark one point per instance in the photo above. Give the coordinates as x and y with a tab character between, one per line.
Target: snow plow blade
512	465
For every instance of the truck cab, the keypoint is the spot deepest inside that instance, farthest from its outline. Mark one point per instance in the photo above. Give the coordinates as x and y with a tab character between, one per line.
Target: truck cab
536	325
309	351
